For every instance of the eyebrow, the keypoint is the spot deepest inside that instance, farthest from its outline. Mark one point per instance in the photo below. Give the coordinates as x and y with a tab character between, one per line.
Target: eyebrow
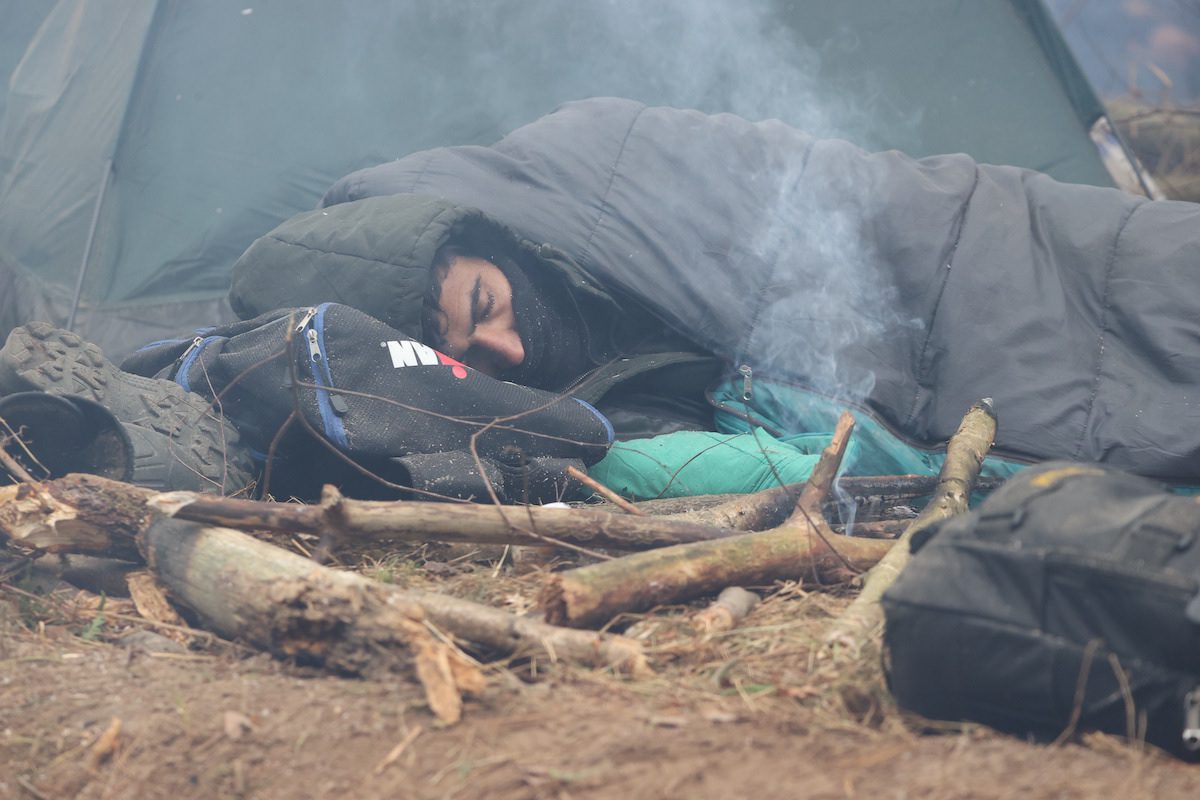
475	292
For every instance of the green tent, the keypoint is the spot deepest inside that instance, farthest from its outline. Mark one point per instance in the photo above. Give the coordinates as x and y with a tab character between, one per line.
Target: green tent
144	144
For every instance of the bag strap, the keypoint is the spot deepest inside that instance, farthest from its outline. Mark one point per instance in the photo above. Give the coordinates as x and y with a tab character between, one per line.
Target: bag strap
1004	511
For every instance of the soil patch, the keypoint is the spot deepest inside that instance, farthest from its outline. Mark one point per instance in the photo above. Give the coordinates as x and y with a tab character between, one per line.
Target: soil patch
735	715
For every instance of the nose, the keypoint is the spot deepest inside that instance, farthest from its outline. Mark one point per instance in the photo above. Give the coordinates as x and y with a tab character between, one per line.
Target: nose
502	344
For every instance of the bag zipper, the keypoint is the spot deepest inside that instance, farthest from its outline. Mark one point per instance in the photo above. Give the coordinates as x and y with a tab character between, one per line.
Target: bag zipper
187	358
332	406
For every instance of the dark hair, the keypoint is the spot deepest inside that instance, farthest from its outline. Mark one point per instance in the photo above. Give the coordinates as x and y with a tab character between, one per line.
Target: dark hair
433	318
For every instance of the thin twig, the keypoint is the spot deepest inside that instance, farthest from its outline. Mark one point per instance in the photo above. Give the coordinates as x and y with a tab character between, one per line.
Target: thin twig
605	492
1081	681
808	506
826	469
33	790
14	468
398	750
10	464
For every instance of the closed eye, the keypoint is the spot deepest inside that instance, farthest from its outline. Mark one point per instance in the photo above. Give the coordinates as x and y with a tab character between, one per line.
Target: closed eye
480	313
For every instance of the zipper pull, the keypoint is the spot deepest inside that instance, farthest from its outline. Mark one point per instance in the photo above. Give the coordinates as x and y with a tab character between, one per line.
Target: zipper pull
307	318
314	352
747	381
199	340
178	362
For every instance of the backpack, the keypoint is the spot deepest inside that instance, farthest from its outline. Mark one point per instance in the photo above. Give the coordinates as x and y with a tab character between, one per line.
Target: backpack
305	385
1067	601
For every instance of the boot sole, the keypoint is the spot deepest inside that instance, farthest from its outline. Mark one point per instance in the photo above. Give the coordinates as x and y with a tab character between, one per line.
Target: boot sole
40	357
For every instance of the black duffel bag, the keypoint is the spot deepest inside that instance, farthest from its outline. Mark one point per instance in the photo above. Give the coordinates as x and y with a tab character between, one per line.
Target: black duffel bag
393	405
1066	602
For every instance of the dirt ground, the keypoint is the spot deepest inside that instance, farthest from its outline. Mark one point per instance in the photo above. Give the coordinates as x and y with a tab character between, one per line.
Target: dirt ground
93	704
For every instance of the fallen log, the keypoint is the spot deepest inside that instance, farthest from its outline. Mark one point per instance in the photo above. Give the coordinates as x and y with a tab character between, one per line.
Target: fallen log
81	514
89	514
862	621
246	589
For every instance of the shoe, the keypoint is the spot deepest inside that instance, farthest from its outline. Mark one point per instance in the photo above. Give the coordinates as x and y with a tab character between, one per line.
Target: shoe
52	436
179	441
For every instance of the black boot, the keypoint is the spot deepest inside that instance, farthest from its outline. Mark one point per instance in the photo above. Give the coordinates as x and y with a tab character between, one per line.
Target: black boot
175	439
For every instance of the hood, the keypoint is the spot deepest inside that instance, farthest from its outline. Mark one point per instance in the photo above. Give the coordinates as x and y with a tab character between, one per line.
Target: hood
377	254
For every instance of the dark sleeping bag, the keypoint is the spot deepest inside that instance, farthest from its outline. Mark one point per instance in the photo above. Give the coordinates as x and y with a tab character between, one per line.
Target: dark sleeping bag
914	285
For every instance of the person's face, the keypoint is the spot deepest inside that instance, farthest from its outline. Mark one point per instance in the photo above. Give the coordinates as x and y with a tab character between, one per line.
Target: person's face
480	327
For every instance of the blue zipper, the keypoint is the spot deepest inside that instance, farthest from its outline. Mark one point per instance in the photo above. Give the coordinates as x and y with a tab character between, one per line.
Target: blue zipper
189	358
319	365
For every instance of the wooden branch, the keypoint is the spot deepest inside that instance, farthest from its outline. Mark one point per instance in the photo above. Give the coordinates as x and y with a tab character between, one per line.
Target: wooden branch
826	469
732	606
862	622
89	514
75	514
7	462
593	594
751	512
526	636
124	505
246	589
444	522
881	529
605	492
200	565
770	507
12	466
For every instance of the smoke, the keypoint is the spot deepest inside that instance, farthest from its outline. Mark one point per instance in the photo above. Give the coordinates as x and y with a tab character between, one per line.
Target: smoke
759	59
832	306
754	58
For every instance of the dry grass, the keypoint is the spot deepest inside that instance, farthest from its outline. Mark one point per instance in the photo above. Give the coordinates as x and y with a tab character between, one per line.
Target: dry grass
1166	140
747	712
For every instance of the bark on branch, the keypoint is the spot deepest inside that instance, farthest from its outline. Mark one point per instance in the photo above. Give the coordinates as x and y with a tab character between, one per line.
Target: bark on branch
826	469
591	595
862	622
444	522
246	589
118	507
88	514
804	546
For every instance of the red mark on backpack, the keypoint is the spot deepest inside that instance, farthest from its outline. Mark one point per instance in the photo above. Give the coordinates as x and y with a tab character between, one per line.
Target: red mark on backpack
407	353
460	369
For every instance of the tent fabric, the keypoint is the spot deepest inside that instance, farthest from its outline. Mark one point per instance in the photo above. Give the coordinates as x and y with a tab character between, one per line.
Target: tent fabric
144	146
